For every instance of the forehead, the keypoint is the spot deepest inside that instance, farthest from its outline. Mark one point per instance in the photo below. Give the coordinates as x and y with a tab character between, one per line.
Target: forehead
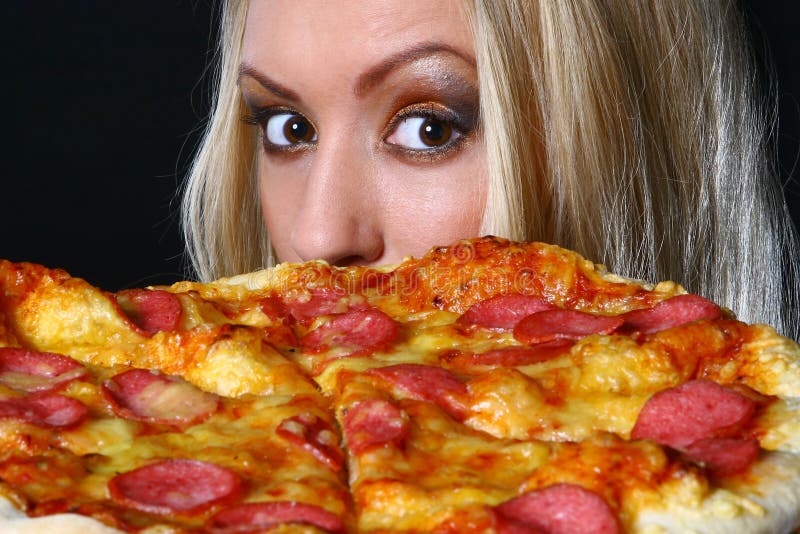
291	34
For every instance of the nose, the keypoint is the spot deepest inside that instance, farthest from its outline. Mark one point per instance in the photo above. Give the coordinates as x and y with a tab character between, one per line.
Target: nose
339	217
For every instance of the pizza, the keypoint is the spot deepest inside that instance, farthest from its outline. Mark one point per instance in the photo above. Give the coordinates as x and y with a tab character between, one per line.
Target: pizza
489	386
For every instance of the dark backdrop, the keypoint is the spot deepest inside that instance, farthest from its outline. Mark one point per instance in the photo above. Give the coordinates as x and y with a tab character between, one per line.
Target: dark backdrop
101	103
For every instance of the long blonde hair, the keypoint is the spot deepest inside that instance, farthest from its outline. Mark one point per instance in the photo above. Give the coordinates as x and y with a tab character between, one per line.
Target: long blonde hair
221	213
629	131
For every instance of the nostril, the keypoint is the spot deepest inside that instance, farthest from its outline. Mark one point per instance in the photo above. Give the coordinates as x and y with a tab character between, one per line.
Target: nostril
365	251
349	261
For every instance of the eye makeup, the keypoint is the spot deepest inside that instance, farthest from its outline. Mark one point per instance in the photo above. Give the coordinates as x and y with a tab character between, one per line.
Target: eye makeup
458	127
297	131
434	90
433	100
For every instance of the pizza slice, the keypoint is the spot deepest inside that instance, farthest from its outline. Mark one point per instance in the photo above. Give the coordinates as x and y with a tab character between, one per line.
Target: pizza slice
134	448
175	332
166	412
693	459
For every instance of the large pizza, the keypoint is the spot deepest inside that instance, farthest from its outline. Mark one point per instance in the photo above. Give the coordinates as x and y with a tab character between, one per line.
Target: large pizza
489	386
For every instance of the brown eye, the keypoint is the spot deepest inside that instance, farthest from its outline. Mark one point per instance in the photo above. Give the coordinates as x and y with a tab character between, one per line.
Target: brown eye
284	129
435	133
423	133
298	130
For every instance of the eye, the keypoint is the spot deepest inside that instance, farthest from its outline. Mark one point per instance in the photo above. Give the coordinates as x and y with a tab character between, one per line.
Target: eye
423	133
285	129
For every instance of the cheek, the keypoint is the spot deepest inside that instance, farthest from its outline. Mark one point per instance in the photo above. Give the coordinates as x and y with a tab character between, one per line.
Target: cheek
280	191
437	205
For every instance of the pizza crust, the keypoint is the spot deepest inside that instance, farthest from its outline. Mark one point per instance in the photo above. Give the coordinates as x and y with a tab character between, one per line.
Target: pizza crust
12	521
767	501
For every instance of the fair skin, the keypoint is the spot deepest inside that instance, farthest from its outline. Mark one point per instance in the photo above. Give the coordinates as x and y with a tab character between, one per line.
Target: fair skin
371	145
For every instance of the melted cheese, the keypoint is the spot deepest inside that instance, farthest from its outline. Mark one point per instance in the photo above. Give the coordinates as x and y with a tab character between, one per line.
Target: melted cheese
72	313
440	468
243	364
771	363
618	365
239	436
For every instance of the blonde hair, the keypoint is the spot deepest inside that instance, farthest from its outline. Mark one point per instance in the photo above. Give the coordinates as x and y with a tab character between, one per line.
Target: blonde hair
626	130
221	213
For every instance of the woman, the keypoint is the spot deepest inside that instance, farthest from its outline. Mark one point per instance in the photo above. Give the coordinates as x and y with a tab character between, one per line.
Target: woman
628	131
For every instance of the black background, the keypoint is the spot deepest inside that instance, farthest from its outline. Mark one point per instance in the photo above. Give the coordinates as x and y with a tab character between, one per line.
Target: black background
101	105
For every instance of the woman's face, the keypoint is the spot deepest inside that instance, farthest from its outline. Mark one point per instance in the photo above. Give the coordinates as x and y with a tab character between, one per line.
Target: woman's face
369	126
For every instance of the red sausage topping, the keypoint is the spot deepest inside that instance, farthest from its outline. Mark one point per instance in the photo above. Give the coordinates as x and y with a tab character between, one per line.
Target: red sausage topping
506	525
263	515
155	398
724	456
670	313
151	310
372	423
503	311
273	307
315	436
557	509
513	356
696	410
355	330
30	370
322	301
47	410
426	383
175	486
551	325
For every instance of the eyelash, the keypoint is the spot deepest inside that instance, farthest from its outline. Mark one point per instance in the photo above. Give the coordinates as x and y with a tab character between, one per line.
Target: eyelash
461	127
260	117
434	113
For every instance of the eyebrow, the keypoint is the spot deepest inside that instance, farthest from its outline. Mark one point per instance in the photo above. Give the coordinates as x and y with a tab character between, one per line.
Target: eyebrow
369	79
246	69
